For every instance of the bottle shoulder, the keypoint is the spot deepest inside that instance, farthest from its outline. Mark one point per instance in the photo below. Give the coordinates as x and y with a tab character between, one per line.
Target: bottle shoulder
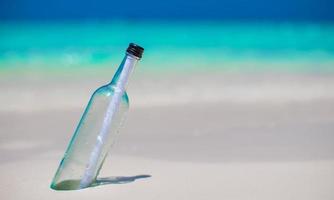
108	91
104	90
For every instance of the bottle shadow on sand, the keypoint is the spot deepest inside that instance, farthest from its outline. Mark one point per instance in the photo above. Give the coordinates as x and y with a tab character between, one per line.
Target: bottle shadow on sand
118	180
75	184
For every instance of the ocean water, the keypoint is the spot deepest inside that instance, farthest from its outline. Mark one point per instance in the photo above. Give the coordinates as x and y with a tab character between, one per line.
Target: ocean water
236	46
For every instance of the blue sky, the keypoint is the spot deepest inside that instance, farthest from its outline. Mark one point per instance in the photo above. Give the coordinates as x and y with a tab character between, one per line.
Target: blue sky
275	10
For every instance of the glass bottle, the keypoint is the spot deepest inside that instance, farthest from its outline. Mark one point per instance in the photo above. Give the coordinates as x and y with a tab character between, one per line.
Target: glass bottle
95	132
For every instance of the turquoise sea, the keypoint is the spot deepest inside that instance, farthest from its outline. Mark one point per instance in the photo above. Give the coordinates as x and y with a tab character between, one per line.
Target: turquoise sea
193	45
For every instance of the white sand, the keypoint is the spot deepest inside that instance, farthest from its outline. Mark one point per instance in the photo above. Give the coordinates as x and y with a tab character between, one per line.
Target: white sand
225	136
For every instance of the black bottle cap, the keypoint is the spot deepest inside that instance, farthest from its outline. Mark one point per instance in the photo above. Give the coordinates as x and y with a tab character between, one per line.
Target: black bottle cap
135	50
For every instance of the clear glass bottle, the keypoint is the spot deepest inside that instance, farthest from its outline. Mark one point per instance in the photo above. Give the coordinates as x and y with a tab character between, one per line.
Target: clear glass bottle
95	132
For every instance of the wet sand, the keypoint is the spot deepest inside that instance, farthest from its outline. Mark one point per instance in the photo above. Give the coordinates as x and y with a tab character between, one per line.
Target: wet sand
199	136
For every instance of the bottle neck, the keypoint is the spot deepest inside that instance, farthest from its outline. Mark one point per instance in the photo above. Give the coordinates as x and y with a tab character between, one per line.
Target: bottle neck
124	71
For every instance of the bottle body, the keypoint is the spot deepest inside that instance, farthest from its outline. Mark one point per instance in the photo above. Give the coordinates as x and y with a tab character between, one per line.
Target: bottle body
74	164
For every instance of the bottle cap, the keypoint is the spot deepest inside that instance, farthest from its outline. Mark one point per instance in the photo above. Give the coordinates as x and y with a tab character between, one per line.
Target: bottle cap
135	50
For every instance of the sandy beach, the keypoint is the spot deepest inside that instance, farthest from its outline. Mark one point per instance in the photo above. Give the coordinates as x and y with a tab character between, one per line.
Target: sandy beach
218	135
